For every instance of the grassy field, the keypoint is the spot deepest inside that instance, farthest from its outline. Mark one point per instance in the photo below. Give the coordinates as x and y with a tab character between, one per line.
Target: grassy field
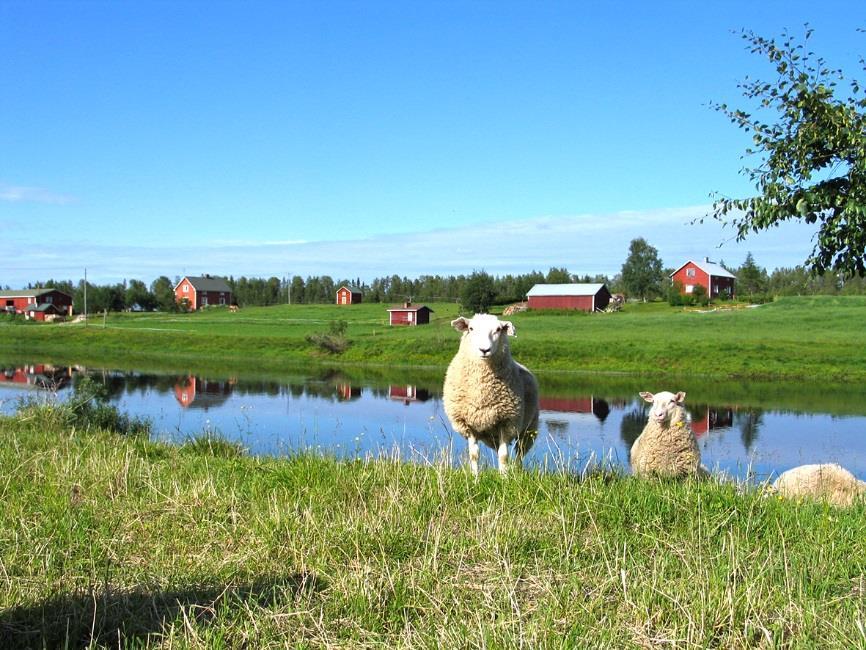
792	338
115	541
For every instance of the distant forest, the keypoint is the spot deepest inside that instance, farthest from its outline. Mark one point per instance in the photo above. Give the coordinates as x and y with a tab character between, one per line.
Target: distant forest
753	283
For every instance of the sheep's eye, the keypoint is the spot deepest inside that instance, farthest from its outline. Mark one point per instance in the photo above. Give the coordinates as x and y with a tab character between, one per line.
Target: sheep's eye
470	329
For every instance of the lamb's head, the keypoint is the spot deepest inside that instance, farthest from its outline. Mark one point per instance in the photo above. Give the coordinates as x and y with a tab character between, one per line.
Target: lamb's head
484	335
666	407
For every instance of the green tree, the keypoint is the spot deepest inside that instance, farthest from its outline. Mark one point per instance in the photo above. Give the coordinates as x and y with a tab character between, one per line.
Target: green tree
751	278
810	135
642	273
163	293
137	293
558	276
478	292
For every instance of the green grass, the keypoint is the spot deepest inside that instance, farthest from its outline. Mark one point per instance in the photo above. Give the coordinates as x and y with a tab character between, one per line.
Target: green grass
116	541
791	339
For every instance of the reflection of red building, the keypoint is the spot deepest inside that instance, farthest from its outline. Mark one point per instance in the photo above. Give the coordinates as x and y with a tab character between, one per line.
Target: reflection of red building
346	392
408	393
36	376
196	392
712	419
589	405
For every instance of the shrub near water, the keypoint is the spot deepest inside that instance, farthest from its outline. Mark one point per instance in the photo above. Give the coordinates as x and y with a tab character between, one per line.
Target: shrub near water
133	543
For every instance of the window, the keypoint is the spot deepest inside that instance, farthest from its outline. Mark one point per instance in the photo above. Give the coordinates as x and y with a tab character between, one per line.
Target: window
690	288
186	288
690	272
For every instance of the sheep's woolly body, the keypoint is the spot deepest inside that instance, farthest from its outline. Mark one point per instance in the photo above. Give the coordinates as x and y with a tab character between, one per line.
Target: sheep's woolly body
493	399
825	482
668	450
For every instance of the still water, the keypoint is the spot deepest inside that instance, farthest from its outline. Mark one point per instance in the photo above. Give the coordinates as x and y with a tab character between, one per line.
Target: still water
582	421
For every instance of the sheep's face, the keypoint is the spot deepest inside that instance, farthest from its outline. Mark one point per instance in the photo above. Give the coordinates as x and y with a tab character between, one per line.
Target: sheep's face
484	335
664	405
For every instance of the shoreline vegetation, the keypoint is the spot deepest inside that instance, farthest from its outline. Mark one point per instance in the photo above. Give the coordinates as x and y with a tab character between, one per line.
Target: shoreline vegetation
792	339
112	540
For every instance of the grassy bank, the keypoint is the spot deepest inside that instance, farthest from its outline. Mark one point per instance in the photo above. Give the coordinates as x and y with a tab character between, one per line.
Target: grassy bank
792	339
136	544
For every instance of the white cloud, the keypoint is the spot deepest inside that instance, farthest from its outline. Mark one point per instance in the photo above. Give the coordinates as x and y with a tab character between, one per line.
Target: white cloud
20	194
586	243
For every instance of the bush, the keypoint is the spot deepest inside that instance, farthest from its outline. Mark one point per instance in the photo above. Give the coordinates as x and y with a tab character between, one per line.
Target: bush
333	341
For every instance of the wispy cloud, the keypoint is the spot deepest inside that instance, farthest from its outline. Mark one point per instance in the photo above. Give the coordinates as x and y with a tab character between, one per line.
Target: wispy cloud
586	243
23	194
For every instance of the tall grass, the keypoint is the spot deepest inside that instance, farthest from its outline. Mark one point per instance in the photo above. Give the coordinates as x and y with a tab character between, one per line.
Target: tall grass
116	541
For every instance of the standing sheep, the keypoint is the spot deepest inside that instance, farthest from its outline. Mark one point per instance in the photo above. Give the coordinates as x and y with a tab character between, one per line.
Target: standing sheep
487	395
667	446
826	482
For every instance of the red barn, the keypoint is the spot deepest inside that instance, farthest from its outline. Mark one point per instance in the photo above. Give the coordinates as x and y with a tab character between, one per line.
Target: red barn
36	304
348	295
198	292
716	279
585	297
409	314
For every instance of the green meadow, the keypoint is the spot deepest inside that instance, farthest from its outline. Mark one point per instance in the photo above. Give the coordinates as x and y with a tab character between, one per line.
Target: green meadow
799	339
114	541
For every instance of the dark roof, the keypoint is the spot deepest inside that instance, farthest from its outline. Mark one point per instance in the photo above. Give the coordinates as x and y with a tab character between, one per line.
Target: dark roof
30	293
45	306
207	283
410	308
351	289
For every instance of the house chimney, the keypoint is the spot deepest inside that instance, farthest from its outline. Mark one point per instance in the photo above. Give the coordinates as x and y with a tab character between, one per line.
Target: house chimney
407	303
707	260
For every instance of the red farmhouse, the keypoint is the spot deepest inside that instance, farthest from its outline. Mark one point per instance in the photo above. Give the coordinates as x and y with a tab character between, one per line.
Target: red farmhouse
409	314
717	280
198	292
37	304
348	295
586	297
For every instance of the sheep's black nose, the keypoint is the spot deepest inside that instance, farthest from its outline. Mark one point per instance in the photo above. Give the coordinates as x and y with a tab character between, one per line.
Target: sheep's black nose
484	350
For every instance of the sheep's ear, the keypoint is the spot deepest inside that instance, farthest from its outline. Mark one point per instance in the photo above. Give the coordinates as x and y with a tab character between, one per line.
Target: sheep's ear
460	324
680	397
647	396
508	326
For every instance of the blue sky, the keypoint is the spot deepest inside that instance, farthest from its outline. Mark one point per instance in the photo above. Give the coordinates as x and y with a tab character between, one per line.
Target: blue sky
360	139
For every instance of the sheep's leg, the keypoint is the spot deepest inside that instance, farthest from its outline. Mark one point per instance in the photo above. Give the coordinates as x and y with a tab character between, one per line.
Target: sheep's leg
502	452
474	452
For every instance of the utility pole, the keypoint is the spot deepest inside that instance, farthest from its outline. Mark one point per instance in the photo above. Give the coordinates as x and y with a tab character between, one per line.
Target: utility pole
85	296
288	288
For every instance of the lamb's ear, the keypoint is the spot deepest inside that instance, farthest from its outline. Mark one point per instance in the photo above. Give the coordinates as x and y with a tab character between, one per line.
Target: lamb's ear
680	397
509	327
460	324
647	396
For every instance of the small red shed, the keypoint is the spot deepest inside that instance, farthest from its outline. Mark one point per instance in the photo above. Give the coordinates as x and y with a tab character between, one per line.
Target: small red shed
584	297
716	279
36	304
201	291
409	314
348	295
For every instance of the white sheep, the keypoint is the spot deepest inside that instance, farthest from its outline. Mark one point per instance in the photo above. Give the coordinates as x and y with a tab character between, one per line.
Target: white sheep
667	445
487	395
825	482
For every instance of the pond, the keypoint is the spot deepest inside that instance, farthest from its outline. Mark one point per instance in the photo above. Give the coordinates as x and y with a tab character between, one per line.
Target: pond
747	430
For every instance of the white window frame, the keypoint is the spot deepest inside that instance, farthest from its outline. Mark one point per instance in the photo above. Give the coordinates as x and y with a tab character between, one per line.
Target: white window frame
690	272
690	288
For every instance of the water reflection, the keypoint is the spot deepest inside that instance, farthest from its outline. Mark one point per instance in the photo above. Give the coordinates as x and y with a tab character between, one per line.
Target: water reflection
350	415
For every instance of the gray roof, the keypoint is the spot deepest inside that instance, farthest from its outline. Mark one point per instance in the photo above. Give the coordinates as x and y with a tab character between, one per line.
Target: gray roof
710	268
29	293
410	308
352	288
208	283
565	289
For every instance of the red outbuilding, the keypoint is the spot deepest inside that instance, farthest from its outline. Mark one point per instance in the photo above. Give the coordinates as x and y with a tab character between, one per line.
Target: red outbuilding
585	297
409	314
348	295
37	304
203	291
716	279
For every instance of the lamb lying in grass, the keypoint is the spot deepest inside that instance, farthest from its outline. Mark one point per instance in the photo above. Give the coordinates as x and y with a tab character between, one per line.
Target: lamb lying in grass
487	395
667	446
826	482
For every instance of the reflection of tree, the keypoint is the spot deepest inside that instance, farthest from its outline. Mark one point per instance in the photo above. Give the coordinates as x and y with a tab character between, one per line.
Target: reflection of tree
750	424
632	424
600	408
557	427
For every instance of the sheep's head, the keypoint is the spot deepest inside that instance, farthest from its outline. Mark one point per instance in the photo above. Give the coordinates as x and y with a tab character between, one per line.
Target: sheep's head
484	335
664	406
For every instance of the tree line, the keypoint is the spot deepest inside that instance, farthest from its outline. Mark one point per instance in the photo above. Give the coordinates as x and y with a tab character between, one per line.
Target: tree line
641	277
